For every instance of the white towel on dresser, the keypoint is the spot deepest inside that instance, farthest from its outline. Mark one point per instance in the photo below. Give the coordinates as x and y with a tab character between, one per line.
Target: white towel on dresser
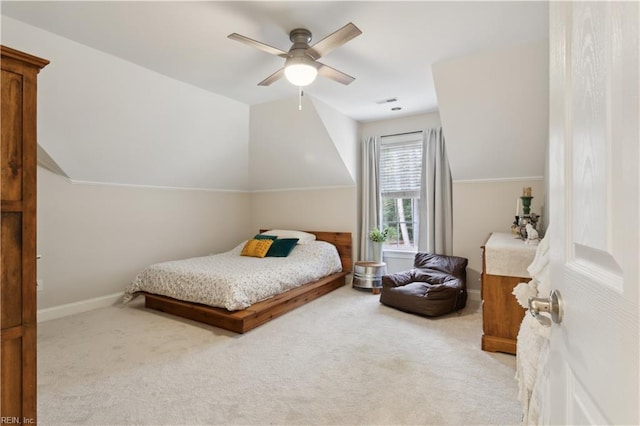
533	339
508	256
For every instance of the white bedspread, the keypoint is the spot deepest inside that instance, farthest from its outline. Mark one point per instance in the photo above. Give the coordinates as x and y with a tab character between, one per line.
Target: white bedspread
228	280
533	341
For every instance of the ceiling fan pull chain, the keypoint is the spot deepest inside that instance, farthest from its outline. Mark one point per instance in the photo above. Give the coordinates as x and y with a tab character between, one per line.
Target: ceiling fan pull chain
299	98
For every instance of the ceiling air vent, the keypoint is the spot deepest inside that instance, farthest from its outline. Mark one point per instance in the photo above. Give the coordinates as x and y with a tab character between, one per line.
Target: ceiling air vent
387	101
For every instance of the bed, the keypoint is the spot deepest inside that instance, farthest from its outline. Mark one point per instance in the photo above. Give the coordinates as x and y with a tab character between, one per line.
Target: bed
245	314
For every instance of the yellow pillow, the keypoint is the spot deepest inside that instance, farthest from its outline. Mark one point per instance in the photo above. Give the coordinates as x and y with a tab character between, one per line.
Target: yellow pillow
256	248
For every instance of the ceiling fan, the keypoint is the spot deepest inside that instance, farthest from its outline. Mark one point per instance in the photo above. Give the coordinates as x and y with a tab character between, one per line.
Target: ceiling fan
301	64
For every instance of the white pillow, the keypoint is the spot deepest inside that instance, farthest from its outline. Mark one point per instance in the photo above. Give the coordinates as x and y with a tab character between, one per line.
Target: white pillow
303	237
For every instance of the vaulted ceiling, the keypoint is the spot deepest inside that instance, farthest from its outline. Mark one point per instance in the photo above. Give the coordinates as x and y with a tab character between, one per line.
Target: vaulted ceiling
391	59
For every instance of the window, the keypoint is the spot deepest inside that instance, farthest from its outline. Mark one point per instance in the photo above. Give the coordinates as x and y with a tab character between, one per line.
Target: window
400	173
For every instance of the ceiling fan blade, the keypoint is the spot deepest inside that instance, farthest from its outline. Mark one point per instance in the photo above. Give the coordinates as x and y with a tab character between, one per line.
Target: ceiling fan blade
333	41
334	74
272	78
264	47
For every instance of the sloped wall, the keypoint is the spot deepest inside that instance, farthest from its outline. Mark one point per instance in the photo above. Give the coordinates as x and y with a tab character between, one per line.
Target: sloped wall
103	119
292	148
494	108
343	131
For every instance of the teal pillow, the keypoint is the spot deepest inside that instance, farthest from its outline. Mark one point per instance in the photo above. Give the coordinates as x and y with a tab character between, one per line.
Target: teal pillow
264	237
281	247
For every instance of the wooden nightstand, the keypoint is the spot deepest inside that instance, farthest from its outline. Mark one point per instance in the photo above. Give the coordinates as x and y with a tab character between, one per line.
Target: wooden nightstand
505	259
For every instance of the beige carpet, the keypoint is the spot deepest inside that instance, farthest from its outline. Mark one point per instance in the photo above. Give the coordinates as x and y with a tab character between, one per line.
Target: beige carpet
343	359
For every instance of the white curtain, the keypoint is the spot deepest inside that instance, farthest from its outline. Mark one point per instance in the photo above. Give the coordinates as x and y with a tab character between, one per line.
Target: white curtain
370	201
436	201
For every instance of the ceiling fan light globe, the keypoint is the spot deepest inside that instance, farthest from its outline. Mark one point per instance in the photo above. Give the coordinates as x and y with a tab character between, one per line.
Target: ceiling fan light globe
300	74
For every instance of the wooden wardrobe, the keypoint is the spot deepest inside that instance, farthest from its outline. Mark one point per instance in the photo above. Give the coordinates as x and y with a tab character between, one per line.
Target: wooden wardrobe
18	303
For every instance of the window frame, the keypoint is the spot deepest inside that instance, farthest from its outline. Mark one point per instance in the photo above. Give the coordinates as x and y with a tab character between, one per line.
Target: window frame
415	140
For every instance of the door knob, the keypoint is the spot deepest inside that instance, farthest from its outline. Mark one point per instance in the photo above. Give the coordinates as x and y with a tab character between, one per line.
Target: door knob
552	306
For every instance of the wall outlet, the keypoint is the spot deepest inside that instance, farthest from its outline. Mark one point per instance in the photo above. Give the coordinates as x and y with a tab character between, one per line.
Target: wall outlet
39	285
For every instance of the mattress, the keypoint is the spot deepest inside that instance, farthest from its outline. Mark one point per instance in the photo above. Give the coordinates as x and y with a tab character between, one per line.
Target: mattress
228	280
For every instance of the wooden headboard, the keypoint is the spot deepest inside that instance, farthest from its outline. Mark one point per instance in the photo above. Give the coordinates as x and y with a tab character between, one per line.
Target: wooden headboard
342	241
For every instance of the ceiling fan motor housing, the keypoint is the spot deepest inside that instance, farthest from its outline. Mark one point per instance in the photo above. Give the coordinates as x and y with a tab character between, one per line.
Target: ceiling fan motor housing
300	35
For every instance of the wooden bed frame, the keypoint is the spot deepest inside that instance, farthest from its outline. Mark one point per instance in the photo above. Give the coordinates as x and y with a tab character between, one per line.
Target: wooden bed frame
261	312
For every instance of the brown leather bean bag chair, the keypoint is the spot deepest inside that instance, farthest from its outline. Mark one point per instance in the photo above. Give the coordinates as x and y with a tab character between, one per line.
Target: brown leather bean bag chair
436	285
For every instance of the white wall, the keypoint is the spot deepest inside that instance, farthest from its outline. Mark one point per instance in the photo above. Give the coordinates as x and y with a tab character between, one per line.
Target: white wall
103	119
411	123
95	238
482	207
316	209
343	131
495	111
290	148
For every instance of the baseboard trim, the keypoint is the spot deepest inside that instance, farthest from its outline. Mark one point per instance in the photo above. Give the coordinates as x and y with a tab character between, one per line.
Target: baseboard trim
474	295
112	299
78	307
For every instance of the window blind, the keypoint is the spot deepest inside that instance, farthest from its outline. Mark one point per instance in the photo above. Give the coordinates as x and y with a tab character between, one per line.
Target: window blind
400	169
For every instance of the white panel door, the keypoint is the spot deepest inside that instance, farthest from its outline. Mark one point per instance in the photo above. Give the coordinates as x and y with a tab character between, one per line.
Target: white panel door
594	233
